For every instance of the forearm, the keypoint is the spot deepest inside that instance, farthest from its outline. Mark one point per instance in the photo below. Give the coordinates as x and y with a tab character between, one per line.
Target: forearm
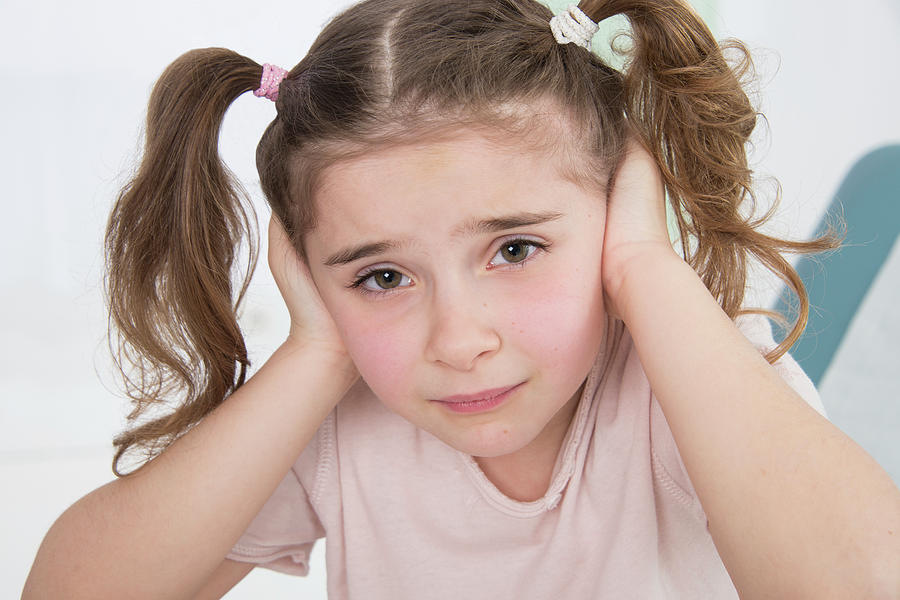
160	532
795	507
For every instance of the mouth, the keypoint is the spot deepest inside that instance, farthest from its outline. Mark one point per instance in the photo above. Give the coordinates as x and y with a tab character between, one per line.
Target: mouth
479	401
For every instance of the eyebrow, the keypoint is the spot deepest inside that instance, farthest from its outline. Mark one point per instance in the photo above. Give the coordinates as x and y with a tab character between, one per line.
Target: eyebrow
348	255
468	228
524	219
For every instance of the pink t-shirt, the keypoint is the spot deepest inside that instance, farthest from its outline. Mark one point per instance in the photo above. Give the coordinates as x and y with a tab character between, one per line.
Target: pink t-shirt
406	516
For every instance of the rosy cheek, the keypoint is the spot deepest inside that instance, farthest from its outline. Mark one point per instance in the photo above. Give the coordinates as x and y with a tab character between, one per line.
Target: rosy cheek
559	321
381	350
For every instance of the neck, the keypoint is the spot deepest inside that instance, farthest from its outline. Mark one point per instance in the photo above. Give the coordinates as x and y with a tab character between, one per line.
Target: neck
525	475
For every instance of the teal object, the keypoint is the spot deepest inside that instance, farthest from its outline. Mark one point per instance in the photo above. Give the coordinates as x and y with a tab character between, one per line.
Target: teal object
868	200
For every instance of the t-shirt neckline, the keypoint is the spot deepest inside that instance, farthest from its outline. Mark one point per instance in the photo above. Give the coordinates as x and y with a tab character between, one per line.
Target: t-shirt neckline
566	459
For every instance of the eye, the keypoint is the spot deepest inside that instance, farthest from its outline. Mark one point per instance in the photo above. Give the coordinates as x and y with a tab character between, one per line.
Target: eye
516	251
381	280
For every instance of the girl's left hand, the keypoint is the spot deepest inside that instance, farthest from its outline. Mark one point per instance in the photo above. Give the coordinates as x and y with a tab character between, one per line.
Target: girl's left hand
635	221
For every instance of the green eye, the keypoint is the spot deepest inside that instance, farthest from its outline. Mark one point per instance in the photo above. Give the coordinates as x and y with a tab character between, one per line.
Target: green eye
381	280
387	280
515	252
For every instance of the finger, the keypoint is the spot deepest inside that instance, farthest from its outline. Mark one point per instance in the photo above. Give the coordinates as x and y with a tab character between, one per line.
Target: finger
283	256
278	237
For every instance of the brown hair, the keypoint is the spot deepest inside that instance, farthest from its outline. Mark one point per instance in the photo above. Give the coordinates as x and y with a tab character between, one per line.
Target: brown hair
387	71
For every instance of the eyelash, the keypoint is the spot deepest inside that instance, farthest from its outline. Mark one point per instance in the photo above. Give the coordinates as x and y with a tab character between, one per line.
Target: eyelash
368	273
535	244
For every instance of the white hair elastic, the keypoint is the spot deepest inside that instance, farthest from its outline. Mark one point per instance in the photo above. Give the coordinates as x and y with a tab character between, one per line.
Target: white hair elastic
574	27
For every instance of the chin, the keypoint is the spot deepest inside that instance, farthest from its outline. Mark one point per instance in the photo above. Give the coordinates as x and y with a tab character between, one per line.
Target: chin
489	441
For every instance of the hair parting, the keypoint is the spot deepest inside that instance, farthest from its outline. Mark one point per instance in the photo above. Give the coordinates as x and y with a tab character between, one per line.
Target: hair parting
391	71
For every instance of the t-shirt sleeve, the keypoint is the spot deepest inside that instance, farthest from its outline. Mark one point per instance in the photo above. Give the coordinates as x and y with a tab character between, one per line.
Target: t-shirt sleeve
283	533
665	452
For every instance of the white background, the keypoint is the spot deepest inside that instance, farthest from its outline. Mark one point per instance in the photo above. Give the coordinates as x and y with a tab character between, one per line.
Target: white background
76	80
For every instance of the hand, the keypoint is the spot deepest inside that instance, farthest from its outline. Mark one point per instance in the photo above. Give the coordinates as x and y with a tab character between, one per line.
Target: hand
311	323
635	221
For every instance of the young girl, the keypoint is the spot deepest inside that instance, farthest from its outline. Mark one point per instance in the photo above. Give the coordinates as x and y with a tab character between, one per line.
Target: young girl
500	379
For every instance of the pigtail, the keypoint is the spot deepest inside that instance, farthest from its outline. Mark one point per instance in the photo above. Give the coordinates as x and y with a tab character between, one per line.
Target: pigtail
689	108
171	245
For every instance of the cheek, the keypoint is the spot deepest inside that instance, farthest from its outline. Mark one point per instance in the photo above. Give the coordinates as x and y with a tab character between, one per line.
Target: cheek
560	322
382	351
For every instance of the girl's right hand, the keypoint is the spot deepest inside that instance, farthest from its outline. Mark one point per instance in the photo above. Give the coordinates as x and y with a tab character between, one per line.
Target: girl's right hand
311	323
164	532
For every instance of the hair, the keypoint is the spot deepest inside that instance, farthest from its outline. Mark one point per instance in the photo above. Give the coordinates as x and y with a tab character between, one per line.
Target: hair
391	71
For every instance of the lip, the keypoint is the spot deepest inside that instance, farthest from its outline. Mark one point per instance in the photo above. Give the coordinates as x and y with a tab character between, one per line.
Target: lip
478	402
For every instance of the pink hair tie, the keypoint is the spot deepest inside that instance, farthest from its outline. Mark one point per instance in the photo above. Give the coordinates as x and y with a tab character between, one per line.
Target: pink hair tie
271	79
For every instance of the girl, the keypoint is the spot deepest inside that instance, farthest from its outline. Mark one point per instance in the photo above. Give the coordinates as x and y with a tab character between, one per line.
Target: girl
500	380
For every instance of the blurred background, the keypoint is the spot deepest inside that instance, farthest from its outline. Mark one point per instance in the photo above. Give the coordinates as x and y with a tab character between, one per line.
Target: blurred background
78	76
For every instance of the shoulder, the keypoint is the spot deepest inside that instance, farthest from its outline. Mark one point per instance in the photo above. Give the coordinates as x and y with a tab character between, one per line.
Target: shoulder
758	330
282	534
668	467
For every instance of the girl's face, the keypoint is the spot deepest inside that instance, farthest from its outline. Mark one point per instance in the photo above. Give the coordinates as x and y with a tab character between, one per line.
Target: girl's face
458	270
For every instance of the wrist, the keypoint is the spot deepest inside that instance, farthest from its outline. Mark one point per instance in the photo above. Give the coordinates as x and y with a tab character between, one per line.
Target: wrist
299	368
325	358
627	274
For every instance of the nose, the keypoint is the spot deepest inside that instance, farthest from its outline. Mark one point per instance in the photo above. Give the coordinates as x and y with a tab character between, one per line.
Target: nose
460	331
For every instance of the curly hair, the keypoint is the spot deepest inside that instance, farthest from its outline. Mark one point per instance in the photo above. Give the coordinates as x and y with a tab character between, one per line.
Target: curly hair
386	72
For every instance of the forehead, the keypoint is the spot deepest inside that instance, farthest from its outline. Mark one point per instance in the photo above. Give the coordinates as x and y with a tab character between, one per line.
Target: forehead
439	182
